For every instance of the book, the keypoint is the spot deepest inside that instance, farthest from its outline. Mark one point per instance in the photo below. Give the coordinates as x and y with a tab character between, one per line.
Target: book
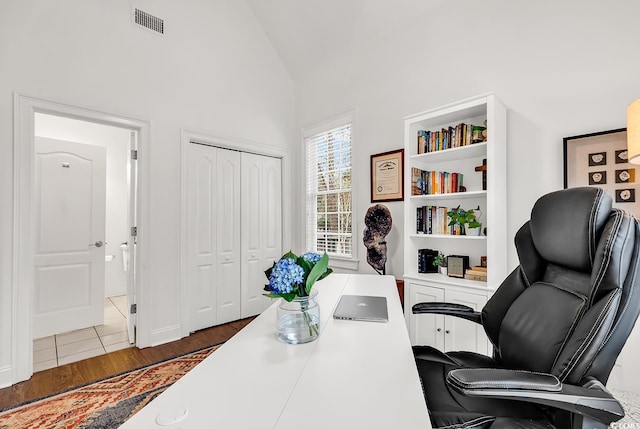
425	261
422	141
473	277
450	137
477	273
473	274
416	182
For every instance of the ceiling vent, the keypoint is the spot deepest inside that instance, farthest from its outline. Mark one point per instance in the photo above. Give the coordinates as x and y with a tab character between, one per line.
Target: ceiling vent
149	21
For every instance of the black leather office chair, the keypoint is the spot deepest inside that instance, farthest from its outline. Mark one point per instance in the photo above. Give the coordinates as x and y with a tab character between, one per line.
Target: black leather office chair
557	323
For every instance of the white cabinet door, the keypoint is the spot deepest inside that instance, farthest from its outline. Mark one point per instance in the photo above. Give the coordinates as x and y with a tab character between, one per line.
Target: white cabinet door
426	329
228	232
446	333
261	227
461	334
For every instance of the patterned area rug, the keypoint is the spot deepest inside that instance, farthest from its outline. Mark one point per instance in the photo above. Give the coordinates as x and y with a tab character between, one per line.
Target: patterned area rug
103	404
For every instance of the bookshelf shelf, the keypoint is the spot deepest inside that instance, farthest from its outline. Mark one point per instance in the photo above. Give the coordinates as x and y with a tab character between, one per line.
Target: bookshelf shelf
448	237
456	153
487	193
445	280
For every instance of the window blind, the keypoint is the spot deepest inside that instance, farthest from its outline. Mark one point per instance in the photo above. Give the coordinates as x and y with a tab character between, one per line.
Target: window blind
329	216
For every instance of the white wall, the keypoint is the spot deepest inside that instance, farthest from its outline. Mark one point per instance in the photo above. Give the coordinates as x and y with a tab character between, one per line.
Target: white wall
214	71
562	68
117	142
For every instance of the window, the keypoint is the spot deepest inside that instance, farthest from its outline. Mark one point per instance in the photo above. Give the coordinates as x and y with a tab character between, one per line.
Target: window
329	212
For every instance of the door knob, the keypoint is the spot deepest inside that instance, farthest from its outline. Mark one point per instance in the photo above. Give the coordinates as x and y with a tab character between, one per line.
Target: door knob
98	244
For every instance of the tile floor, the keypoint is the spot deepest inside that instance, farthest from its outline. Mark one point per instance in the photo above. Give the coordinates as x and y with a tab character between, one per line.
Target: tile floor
73	346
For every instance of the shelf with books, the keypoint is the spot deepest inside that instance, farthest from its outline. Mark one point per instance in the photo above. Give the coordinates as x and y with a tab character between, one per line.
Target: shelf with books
482	170
449	196
481	175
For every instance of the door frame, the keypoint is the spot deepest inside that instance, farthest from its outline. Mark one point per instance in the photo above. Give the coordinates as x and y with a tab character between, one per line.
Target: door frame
189	137
25	108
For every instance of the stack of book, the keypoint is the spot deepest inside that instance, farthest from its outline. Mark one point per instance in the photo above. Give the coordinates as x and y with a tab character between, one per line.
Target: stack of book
476	273
435	182
451	137
426	258
434	220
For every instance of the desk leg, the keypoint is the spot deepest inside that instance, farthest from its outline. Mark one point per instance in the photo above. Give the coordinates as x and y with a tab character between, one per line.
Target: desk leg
400	285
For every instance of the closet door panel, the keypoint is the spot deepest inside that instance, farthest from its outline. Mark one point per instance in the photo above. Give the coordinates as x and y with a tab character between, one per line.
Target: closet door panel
201	251
272	190
234	233
227	195
260	247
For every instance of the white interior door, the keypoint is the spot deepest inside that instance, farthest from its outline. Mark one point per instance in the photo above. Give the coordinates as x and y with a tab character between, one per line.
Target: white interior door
69	231
131	245
201	239
227	222
234	206
261	227
214	236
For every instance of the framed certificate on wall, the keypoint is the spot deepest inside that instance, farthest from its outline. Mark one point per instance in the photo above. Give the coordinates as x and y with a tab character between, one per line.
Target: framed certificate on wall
387	178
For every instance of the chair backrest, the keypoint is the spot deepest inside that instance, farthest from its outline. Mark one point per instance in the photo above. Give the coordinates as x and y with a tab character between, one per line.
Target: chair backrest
570	305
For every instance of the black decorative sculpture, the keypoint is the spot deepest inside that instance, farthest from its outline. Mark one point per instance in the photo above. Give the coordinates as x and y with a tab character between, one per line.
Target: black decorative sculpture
378	224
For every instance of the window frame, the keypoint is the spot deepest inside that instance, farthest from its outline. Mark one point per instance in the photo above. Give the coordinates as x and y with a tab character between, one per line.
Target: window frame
337	261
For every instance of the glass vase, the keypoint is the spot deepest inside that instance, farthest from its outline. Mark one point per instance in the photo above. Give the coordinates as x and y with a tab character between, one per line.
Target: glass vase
298	321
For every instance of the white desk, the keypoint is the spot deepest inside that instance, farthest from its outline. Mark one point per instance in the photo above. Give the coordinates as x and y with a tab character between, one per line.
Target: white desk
357	374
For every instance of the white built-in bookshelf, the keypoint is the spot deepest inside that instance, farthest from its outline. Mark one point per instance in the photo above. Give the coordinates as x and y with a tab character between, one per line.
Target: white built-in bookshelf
463	159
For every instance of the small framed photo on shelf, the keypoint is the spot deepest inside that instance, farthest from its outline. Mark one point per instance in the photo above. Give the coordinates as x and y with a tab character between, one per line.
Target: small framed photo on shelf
600	159
387	176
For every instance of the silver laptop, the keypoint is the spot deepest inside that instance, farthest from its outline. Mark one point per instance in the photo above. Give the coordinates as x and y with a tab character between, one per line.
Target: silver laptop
359	307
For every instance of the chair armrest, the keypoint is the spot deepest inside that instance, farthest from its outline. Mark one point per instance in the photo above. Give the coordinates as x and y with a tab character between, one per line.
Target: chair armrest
448	309
592	399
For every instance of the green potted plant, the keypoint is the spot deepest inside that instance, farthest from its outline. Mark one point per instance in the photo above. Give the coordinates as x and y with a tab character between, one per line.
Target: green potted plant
440	261
466	219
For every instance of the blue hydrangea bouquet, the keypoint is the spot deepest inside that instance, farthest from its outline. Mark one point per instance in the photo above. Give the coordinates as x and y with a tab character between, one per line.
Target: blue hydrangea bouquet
294	276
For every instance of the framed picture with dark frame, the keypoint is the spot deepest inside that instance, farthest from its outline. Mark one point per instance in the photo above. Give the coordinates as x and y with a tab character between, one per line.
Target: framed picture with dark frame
387	176
600	159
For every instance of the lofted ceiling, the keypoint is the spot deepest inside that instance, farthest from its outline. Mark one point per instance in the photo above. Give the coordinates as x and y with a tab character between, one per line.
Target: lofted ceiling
309	33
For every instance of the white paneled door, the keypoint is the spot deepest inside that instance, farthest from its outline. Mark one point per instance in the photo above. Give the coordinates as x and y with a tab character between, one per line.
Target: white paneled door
214	236
201	276
69	231
227	196
261	227
234	213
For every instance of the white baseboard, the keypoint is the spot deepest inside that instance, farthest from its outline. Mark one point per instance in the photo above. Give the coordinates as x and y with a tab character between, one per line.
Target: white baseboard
165	335
6	376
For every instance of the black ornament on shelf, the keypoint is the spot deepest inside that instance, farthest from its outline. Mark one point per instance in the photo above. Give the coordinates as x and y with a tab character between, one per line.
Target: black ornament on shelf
378	224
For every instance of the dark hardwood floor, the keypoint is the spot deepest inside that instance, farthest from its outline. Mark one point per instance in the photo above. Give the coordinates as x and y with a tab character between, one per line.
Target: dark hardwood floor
75	374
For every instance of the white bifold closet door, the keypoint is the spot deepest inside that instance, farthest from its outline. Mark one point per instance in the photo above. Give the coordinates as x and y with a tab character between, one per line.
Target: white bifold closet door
234	232
261	230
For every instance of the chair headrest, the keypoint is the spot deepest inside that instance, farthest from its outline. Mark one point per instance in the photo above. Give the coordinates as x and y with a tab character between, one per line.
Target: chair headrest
566	225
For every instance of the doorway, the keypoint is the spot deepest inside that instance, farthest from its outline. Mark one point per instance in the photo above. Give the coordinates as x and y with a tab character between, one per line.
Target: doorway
82	234
28	112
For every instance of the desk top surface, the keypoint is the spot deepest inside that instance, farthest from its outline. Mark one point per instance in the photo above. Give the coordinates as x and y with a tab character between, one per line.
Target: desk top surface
357	374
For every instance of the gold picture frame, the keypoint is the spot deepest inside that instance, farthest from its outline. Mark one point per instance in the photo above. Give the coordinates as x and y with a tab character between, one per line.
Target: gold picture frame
387	176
